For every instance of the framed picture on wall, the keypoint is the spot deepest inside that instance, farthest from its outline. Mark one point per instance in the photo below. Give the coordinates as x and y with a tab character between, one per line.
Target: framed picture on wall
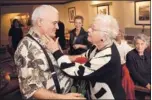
142	12
71	13
104	9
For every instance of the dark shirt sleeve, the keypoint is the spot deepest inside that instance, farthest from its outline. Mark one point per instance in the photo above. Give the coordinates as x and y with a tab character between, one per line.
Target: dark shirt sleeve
131	64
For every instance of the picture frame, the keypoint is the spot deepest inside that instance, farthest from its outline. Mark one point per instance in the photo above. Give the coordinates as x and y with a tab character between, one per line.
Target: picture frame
72	14
103	9
142	12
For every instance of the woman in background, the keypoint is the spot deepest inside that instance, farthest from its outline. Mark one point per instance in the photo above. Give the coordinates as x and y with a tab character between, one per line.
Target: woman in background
139	62
15	34
78	38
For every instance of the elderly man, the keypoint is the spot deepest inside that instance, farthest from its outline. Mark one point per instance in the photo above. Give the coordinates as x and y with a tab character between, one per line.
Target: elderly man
103	68
39	76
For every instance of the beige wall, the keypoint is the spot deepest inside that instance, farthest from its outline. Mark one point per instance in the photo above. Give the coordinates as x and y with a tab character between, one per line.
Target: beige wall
114	10
81	9
8	12
123	11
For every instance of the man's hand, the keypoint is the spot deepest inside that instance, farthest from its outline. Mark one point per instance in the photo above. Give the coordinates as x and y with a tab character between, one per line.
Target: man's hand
43	93
73	96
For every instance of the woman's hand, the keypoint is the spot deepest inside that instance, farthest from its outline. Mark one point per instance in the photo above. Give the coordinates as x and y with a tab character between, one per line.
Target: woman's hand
77	46
51	44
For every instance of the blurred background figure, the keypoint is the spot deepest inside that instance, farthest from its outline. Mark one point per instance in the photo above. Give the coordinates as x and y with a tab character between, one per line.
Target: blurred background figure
60	34
139	62
15	34
78	37
122	46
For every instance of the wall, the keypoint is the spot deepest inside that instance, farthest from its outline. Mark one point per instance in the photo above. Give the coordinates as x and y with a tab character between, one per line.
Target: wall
81	9
114	10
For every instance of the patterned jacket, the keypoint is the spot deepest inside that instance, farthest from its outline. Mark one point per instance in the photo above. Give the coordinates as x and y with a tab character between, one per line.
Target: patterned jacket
103	70
33	69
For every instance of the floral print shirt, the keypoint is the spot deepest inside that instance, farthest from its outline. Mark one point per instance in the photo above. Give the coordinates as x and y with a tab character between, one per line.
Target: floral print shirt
33	68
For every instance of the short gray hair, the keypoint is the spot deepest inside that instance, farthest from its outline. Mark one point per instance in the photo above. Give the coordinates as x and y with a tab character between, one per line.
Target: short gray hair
142	37
40	11
110	27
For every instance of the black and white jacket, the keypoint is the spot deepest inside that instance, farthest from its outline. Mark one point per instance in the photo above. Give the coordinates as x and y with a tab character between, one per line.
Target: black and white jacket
103	70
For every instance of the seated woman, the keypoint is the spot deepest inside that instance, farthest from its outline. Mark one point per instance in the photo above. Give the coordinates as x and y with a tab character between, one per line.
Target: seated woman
122	46
138	62
78	38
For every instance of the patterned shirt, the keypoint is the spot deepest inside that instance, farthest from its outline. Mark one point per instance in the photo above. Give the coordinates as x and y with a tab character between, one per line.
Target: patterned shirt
33	68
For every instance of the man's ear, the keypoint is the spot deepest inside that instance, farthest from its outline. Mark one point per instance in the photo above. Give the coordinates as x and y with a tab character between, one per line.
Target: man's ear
39	22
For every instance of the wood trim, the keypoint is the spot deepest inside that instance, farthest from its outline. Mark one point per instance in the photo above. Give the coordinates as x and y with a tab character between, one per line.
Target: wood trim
102	4
29	2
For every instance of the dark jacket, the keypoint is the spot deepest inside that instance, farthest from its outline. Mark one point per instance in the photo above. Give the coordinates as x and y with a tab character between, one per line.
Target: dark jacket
139	67
60	34
80	39
17	35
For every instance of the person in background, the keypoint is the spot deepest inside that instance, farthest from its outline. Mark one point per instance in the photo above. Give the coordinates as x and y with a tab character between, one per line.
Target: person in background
123	49
35	62
103	68
122	46
15	34
78	37
60	34
139	61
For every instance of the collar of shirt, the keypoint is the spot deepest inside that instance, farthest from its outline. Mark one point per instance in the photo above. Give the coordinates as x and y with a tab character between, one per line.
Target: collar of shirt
36	36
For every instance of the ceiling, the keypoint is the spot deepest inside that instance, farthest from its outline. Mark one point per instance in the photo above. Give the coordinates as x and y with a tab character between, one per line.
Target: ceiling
30	2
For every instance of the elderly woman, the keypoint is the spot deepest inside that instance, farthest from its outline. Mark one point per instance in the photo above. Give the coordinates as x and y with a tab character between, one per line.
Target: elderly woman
138	61
103	68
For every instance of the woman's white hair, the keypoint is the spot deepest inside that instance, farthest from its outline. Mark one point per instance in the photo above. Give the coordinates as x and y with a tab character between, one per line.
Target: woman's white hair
108	25
142	37
41	11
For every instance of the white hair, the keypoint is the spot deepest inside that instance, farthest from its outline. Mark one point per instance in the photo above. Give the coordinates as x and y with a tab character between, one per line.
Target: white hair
142	37
108	25
41	11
